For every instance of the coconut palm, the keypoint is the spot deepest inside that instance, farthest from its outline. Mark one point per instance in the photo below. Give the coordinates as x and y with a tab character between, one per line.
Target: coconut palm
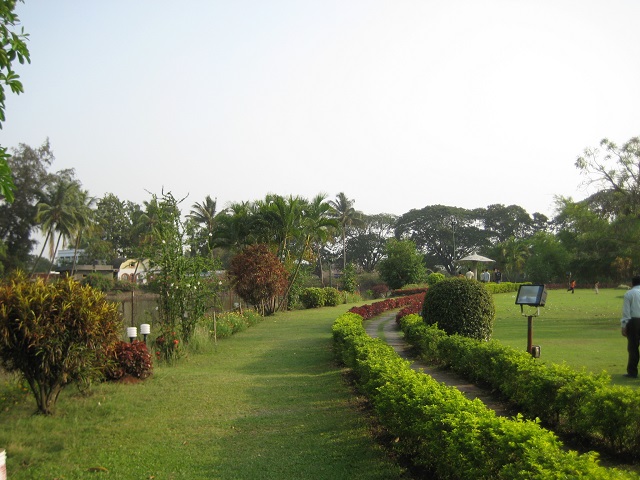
57	212
513	255
204	215
346	216
84	218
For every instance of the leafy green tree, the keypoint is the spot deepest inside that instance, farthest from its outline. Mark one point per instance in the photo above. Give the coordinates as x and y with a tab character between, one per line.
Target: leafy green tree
615	171
107	237
55	334
403	264
349	279
593	241
367	241
259	277
549	259
503	222
444	234
13	47
30	174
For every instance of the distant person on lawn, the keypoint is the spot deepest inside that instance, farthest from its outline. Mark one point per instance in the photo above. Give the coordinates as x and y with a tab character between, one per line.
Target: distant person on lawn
630	323
572	286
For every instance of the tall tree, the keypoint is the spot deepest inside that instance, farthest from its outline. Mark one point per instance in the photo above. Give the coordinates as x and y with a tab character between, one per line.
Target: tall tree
320	227
444	234
347	215
13	47
18	219
402	265
204	215
502	222
83	221
58	211
549	260
615	171
367	241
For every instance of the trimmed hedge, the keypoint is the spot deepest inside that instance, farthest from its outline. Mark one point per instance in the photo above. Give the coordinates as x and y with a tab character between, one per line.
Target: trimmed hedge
440	430
576	403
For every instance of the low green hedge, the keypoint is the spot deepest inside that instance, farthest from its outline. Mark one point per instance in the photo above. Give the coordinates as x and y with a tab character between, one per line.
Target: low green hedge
573	402
440	430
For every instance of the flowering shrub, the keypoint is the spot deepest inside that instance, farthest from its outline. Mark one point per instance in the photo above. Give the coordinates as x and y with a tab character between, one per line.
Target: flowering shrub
131	359
167	346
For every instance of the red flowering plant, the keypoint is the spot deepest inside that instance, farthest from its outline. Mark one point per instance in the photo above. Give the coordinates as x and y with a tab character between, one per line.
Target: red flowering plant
167	346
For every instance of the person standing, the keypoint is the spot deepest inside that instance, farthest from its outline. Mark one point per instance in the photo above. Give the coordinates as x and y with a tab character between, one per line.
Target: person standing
630	324
497	274
572	286
597	287
470	275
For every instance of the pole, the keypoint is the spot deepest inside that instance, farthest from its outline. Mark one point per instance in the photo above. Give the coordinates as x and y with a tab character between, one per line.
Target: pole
530	333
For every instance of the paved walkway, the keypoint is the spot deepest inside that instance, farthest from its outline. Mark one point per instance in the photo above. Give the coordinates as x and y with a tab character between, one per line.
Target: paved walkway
391	334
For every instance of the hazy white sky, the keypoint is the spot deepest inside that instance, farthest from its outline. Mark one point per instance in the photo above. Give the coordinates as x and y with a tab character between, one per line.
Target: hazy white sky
398	103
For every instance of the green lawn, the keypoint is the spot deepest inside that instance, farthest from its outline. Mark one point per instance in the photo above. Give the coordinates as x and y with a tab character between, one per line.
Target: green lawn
581	329
270	403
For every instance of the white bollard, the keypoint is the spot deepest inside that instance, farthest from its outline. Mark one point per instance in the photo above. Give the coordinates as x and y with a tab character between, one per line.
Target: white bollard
3	466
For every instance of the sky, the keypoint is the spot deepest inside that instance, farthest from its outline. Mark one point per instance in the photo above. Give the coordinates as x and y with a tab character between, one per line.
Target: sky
399	104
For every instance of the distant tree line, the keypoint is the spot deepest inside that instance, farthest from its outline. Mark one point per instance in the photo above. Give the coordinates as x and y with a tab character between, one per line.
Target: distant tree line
594	239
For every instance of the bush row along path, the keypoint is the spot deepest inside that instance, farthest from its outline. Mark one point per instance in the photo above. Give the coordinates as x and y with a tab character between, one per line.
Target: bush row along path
393	336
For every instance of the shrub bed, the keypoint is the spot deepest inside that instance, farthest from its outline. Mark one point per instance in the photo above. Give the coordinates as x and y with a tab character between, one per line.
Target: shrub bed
371	310
576	403
438	429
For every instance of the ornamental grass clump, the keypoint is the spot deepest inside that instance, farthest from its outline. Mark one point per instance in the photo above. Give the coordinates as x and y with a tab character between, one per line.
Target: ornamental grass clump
55	334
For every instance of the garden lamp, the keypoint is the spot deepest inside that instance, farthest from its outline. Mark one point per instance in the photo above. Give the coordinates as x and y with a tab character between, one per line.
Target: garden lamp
132	333
145	329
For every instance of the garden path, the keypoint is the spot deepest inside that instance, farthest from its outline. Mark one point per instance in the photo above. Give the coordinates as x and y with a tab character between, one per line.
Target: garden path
393	336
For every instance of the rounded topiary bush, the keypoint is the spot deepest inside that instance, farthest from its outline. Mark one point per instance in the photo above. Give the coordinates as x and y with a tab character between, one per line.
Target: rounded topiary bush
332	297
312	297
460	307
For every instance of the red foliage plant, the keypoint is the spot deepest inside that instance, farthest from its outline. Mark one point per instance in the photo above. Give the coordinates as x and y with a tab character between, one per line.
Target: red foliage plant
259	277
369	311
131	359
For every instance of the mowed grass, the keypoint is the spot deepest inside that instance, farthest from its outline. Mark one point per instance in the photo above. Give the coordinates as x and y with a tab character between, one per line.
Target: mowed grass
580	329
268	403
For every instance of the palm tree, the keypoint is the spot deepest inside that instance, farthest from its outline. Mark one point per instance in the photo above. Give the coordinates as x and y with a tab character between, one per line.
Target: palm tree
320	226
84	218
204	214
346	216
57	212
514	255
234	225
